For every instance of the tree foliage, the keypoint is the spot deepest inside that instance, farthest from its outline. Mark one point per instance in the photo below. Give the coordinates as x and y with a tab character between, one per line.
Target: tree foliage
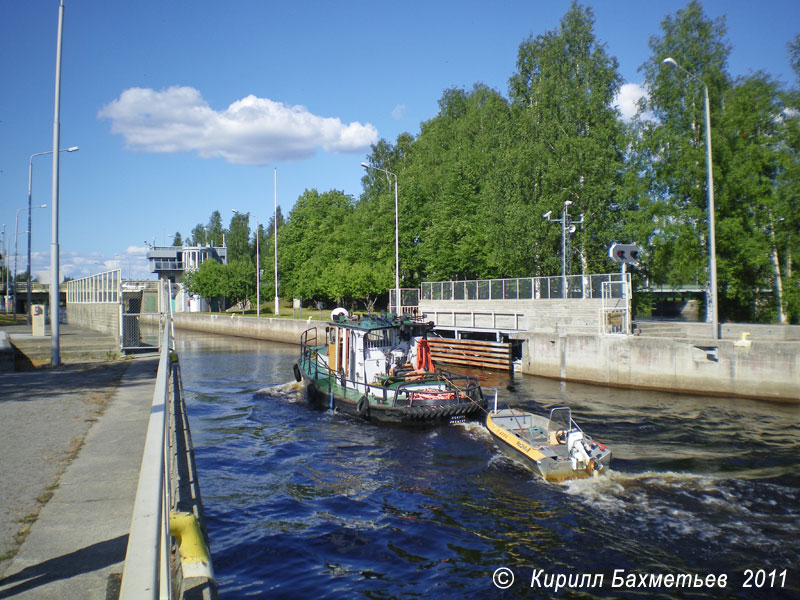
474	183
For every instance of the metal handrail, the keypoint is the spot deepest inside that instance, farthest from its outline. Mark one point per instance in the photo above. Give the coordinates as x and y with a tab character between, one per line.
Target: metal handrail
147	573
100	288
519	288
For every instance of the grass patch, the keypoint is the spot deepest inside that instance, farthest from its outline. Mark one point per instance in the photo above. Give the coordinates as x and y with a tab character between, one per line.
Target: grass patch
9	320
28	520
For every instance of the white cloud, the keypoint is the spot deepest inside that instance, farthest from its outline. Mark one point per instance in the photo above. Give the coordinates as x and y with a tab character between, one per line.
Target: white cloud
399	112
251	131
627	100
132	262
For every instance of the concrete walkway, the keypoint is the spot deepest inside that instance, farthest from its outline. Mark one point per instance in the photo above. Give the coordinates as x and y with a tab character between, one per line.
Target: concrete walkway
76	345
76	546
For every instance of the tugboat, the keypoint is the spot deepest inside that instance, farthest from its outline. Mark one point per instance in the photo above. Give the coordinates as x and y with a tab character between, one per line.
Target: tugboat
554	448
379	368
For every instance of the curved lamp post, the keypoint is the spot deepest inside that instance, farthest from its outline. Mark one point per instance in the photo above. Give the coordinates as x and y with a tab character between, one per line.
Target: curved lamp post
396	237
258	263
30	216
712	244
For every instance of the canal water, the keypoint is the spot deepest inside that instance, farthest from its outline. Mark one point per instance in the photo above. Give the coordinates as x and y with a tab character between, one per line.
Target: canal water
307	503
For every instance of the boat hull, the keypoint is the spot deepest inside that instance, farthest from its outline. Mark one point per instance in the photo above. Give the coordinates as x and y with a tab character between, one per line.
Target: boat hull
373	407
423	415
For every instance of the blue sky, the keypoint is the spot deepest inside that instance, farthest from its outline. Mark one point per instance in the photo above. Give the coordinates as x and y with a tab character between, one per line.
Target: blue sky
183	107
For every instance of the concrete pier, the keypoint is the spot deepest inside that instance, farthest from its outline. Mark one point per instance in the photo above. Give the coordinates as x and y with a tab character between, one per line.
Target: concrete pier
71	447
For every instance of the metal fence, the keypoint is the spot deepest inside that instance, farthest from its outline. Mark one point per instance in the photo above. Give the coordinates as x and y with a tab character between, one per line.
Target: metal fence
522	288
409	302
121	306
615	311
103	288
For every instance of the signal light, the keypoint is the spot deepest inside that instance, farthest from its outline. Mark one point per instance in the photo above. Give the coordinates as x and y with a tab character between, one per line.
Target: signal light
624	253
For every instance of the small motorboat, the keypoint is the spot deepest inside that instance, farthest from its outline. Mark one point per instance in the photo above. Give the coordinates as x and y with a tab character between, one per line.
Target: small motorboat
553	447
379	368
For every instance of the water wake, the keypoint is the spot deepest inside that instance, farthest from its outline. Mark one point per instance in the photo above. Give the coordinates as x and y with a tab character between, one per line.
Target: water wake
720	511
292	391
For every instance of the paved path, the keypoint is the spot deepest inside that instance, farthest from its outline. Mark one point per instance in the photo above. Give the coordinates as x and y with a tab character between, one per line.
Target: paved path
76	345
79	538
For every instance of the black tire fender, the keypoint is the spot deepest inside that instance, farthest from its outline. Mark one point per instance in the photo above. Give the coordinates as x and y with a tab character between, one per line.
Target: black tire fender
362	408
297	376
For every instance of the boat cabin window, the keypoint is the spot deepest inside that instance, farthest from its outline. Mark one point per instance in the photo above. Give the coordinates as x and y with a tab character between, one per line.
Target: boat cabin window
378	338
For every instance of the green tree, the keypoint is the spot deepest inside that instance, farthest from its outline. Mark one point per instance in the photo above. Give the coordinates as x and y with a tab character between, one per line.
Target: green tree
453	166
177	240
238	238
474	183
670	148
310	242
564	90
214	231
208	280
786	223
240	281
198	235
750	125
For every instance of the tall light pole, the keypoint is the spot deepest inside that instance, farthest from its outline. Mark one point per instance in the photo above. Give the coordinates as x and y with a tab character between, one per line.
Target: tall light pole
55	351
16	233
30	217
5	264
396	237
258	264
712	244
567	227
275	227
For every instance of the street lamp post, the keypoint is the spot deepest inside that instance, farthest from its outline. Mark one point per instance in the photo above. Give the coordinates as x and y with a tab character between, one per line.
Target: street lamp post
30	217
567	227
275	227
55	249
396	236
16	233
712	244
258	264
5	264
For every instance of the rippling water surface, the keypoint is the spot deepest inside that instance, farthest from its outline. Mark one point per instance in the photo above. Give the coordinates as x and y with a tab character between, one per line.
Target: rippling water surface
304	503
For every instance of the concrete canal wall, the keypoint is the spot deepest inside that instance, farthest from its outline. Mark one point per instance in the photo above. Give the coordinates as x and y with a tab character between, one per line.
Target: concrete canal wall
573	315
757	369
102	317
768	367
266	328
